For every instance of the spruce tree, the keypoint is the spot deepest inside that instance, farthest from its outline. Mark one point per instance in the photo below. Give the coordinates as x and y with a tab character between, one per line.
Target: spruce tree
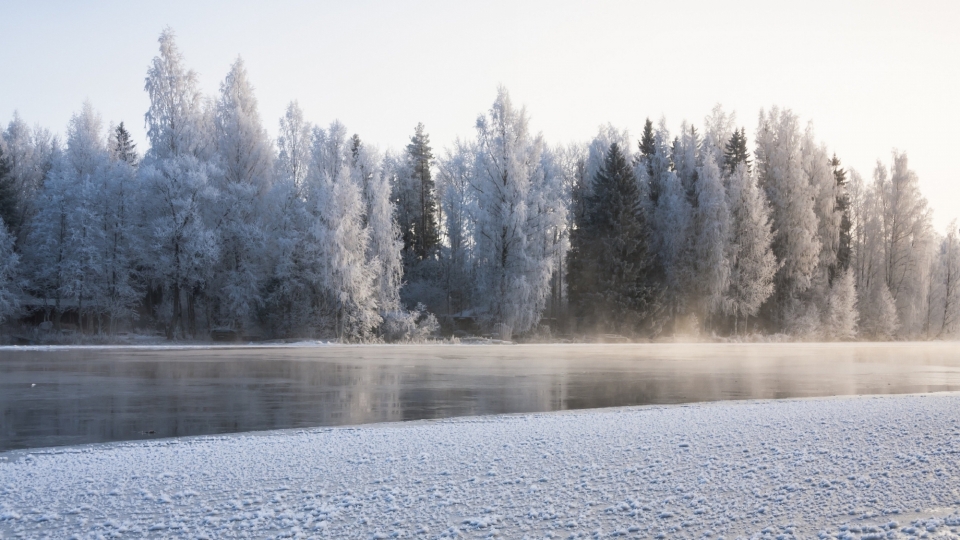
8	196
424	230
736	152
608	260
843	206
647	143
124	148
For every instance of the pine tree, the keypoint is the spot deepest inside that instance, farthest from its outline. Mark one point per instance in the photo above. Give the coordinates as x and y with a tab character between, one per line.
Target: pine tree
608	261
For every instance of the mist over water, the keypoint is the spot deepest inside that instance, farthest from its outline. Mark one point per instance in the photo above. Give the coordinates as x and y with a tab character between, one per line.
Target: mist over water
76	396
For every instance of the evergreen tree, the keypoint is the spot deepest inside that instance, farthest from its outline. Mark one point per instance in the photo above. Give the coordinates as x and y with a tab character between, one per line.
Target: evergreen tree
8	194
754	265
421	234
9	262
843	206
735	152
608	261
122	146
647	144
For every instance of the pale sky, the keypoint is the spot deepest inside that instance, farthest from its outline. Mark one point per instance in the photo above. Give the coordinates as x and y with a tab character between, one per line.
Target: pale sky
871	75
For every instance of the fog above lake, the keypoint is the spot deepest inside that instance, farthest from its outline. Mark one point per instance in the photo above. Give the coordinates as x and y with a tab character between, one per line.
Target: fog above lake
54	397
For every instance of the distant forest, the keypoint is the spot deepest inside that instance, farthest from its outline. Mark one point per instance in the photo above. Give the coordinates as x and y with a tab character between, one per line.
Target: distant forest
317	234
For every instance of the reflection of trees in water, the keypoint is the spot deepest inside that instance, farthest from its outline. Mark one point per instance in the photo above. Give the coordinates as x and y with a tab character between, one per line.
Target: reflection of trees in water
89	396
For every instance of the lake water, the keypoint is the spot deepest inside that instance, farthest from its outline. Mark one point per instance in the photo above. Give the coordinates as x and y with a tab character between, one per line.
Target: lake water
61	397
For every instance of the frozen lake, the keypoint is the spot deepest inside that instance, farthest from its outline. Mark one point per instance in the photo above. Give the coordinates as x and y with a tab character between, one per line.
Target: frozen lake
73	396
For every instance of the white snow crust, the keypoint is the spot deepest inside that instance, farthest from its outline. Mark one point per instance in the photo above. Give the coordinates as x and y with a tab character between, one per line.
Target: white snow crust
848	468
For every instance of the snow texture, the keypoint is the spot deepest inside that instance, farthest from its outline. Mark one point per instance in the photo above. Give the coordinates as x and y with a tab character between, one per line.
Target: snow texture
850	468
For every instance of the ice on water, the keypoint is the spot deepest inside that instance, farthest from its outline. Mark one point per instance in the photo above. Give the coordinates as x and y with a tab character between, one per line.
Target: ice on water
855	468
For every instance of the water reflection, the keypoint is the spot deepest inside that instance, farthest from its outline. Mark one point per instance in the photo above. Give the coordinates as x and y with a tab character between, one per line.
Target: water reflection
84	396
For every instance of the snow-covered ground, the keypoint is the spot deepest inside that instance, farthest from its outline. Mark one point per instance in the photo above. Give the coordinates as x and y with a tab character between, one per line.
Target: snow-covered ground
865	468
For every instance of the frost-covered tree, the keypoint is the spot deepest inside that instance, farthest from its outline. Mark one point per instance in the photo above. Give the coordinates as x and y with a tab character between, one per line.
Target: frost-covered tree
907	239
514	198
753	264
245	158
29	154
65	235
338	208
840	316
458	210
779	162
948	279
291	288
176	176
175	123
293	143
384	250
712	242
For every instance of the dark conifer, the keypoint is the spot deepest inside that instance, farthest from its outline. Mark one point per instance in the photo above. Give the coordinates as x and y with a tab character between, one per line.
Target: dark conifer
842	206
424	232
736	151
608	261
8	197
125	149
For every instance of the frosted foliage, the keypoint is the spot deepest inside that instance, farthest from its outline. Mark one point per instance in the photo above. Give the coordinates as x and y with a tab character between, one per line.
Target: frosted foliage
181	248
779	161
28	152
907	238
385	243
455	173
86	147
946	303
753	264
342	239
718	128
712	245
68	236
246	154
245	159
819	173
293	144
878	312
513	200
9	262
674	218
840	319
175	117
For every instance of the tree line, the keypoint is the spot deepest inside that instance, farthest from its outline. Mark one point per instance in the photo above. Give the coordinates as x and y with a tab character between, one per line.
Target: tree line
319	234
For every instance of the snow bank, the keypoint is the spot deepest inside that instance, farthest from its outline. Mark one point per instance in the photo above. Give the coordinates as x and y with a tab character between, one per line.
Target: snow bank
853	468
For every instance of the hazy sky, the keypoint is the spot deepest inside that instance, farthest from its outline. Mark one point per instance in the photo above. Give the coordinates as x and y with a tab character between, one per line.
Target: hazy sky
872	75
